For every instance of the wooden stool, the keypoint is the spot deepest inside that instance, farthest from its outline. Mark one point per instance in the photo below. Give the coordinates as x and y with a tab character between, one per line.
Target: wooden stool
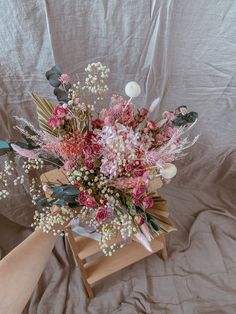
85	250
103	266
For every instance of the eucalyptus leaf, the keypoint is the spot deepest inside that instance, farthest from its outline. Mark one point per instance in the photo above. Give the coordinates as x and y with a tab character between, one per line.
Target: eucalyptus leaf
60	202
57	69
61	95
54	81
191	117
42	202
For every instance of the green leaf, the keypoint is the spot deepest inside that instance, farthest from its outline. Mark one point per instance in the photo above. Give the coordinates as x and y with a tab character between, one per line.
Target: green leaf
4	147
191	117
61	95
53	76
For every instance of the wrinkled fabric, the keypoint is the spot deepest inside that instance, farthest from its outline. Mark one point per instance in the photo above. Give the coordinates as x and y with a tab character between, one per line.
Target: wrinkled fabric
181	51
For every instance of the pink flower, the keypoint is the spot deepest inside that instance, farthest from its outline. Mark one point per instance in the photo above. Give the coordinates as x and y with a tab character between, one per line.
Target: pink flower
101	214
138	191
90	202
64	78
83	197
89	164
151	124
148	202
129	167
97	124
24	152
140	220
59	112
87	150
137	201
54	122
138	172
168	115
68	165
96	148
108	120
143	112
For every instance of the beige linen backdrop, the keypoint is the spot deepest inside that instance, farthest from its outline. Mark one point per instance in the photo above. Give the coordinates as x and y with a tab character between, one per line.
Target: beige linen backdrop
183	51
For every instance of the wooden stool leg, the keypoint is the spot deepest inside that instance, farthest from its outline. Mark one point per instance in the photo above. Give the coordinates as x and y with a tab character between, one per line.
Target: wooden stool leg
79	263
164	253
87	286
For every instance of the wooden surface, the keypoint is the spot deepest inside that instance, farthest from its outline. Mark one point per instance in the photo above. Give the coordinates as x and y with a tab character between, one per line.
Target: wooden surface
86	247
128	255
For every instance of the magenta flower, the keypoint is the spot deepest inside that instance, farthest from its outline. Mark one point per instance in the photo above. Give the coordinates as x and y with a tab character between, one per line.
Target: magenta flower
96	148
59	112
83	197
101	214
64	78
87	150
55	122
90	202
89	164
148	202
139	191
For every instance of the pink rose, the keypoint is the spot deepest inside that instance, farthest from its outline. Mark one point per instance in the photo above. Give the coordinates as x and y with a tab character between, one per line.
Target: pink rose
138	172
96	148
129	167
54	122
148	202
138	191
59	112
90	202
87	150
101	214
64	78
83	197
89	164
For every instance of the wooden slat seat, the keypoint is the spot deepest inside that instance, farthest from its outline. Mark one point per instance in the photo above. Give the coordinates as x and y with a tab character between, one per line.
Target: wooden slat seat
128	255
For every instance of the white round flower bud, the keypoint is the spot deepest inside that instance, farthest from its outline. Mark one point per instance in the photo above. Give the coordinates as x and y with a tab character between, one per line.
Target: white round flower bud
65	105
70	102
169	171
132	89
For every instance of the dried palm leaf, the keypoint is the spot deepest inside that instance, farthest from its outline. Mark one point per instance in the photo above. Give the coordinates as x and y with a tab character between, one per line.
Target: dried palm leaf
160	211
44	112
